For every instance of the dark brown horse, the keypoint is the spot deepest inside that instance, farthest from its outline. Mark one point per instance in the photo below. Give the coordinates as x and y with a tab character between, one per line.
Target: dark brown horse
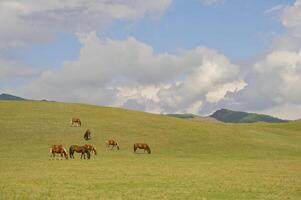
91	148
58	149
112	143
87	135
142	146
79	149
75	122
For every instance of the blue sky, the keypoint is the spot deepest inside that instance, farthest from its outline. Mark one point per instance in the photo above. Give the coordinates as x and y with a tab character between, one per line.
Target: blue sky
238	29
160	56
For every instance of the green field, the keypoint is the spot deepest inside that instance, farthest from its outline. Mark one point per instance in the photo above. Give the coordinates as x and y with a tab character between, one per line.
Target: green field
190	159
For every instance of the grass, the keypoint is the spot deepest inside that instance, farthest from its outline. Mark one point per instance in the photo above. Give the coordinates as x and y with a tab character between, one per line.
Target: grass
189	160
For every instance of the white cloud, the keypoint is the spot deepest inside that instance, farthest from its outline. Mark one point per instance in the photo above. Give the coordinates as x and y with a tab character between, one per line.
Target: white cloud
128	73
26	22
274	79
292	19
287	111
11	69
220	92
213	71
276	9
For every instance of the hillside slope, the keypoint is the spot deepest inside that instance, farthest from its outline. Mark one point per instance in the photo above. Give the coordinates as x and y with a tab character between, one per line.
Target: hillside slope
190	159
4	96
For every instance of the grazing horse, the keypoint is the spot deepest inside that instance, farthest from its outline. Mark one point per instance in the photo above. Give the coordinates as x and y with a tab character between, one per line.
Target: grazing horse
142	146
87	135
79	149
58	149
75	122
112	143
91	148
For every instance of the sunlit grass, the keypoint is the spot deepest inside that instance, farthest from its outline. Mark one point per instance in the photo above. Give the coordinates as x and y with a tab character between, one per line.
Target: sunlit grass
189	160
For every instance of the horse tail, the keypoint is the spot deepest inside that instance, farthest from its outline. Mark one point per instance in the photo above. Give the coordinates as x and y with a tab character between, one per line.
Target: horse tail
135	147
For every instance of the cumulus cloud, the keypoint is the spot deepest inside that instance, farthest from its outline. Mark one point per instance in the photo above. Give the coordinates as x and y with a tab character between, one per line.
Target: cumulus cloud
25	22
13	73
292	18
12	69
274	79
129	73
213	71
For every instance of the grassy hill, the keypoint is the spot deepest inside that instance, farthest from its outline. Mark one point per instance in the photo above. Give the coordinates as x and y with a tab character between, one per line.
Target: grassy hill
189	160
230	116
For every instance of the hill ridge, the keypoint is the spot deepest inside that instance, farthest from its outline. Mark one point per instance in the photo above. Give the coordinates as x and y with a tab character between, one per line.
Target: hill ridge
230	116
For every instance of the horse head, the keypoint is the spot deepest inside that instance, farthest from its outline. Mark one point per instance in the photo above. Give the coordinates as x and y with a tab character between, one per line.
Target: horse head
65	153
94	150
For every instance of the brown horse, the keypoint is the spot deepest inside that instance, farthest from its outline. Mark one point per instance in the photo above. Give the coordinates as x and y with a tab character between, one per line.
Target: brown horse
58	149
112	143
91	148
142	146
75	122
79	149
87	135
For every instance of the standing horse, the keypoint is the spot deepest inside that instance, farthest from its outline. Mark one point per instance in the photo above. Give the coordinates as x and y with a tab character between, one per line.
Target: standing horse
79	149
58	149
142	146
75	122
112	143
87	135
91	148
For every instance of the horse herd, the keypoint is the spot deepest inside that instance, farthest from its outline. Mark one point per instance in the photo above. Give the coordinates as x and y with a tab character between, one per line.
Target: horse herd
86	149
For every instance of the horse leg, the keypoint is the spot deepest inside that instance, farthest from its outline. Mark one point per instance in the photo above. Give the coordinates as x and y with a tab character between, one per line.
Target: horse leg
81	156
52	156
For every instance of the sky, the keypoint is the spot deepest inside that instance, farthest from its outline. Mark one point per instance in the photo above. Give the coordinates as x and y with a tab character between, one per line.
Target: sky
159	56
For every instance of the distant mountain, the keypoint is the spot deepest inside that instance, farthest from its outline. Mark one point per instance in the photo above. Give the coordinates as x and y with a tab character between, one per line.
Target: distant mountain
10	97
230	116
